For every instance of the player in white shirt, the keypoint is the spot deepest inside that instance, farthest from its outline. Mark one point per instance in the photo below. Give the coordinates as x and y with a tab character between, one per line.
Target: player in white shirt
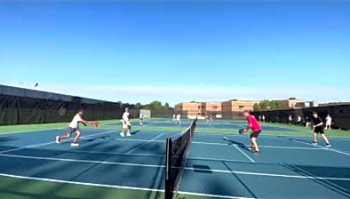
174	117
178	119
299	120
328	122
141	119
290	119
126	124
74	128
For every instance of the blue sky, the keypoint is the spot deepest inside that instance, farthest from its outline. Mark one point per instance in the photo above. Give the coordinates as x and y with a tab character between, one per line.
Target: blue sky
178	51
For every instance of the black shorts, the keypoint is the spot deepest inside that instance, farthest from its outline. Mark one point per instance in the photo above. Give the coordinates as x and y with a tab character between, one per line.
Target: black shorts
255	134
141	119
319	130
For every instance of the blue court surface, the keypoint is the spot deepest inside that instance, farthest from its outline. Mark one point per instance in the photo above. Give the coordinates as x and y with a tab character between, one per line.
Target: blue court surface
217	124
218	166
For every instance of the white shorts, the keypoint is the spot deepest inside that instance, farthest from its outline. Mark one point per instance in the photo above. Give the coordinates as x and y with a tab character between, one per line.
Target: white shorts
126	125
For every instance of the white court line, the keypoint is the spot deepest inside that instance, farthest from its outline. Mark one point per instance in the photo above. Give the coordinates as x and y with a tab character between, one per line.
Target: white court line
253	161
48	143
138	140
322	147
155	156
117	186
141	145
305	172
31	131
160	156
290	147
272	147
341	152
186	168
227	144
162	141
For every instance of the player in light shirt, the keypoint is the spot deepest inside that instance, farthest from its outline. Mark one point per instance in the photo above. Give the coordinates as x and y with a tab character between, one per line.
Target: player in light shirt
126	123
178	119
328	122
74	128
141	119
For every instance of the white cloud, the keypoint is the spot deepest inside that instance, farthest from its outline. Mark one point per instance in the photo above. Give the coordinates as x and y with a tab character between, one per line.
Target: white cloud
176	94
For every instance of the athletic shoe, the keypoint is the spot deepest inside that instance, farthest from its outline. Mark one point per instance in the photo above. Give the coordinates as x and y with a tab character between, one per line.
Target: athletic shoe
122	134
328	145
128	134
314	143
74	144
58	140
256	153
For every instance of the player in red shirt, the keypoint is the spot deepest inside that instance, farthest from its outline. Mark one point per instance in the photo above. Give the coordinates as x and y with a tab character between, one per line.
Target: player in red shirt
254	125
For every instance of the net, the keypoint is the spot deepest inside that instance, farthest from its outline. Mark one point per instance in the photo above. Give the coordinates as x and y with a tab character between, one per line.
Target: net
177	149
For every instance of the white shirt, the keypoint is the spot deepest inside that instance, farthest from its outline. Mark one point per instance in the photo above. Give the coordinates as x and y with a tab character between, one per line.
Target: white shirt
299	119
126	117
141	116
328	120
178	117
75	122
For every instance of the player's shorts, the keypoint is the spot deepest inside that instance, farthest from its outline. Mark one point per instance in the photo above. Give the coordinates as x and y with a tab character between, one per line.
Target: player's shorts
255	134
126	125
319	130
73	130
141	119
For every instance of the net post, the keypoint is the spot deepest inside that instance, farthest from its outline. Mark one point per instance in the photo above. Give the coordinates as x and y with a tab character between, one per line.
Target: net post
168	170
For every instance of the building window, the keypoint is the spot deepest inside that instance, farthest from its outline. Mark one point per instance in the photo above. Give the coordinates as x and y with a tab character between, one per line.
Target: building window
215	107
241	107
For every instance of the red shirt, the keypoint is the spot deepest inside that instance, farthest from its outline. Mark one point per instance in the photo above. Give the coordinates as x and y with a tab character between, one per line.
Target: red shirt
254	124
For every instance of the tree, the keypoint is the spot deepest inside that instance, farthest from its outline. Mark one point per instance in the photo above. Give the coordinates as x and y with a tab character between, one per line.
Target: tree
256	107
155	105
138	106
266	104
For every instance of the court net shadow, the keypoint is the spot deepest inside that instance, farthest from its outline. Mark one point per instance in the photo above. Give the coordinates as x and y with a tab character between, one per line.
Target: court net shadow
47	163
341	187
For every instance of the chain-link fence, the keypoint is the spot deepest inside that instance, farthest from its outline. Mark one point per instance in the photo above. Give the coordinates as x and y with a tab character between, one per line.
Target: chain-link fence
340	115
23	106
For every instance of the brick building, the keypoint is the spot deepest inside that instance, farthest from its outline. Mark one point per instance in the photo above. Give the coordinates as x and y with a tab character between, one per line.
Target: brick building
291	102
228	109
238	105
199	109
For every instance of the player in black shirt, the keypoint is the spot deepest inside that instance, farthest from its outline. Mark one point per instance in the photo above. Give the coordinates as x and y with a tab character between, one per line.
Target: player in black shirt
318	129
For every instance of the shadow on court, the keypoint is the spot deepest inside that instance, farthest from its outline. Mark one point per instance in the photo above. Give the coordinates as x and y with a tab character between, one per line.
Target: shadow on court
7	139
109	160
71	165
341	187
239	144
